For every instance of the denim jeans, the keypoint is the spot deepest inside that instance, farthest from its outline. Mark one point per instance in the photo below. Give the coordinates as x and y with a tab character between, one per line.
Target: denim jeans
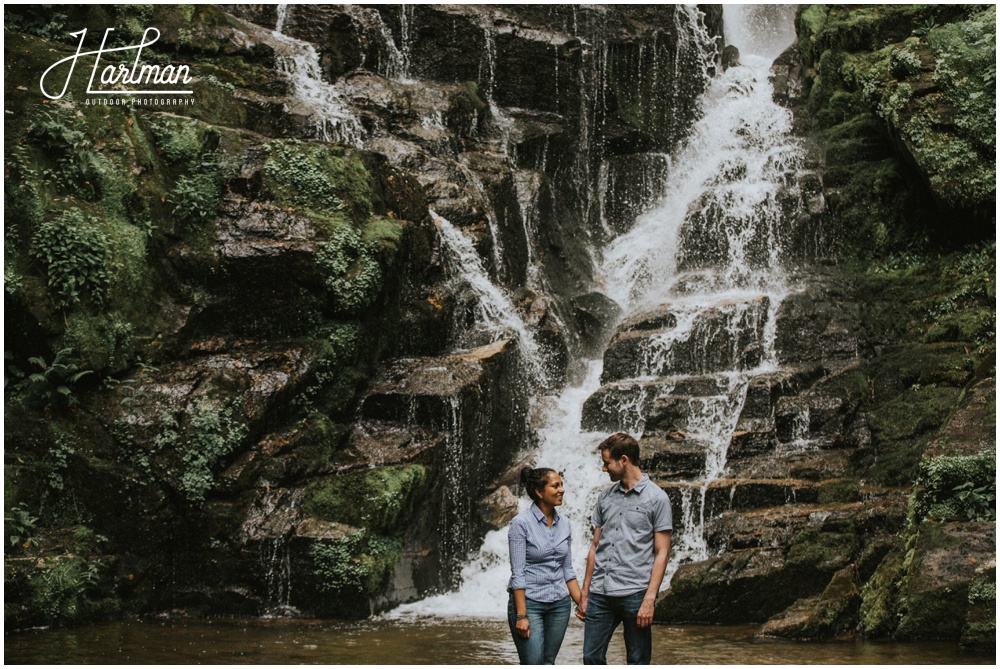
604	613
547	622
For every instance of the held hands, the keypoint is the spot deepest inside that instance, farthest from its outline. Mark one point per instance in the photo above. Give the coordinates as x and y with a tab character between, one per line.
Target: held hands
523	628
581	609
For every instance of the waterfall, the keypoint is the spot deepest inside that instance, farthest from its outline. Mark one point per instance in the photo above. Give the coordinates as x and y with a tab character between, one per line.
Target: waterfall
710	253
333	120
495	316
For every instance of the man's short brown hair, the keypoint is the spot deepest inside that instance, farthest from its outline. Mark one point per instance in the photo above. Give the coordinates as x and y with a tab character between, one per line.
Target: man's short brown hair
621	444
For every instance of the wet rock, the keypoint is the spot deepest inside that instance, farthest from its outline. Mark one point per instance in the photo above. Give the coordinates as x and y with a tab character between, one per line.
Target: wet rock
707	347
634	183
937	585
971	429
474	399
621	406
498	508
817	326
594	315
831	612
724	495
672	456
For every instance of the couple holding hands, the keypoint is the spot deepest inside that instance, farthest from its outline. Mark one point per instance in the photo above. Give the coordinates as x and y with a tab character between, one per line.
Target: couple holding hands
625	565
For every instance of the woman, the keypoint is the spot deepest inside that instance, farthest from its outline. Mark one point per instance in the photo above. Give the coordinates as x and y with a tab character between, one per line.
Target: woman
542	580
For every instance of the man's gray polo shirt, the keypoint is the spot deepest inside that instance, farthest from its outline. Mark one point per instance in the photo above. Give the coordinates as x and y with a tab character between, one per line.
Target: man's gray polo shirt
628	523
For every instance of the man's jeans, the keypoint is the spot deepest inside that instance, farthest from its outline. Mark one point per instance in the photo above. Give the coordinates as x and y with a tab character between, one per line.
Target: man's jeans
603	616
548	627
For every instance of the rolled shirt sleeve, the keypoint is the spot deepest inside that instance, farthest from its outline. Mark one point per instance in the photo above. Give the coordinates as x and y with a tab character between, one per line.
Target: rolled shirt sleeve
517	540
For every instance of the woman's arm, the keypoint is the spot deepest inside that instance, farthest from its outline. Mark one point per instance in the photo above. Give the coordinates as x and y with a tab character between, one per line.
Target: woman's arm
522	625
517	541
581	611
574	591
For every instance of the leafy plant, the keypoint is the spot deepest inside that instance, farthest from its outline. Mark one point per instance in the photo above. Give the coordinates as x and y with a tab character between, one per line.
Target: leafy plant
196	195
961	487
352	273
60	592
53	384
19	526
73	253
61	137
213	435
356	564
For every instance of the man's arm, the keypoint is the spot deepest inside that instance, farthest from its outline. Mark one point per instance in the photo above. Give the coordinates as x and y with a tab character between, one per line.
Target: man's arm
581	609
661	551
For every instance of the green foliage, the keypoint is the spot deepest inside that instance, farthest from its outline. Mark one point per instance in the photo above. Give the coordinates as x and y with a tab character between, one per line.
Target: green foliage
105	342
60	454
196	195
353	277
62	589
72	250
213	435
904	64
381	499
60	135
44	21
19	526
960	487
181	139
52	386
319	178
358	563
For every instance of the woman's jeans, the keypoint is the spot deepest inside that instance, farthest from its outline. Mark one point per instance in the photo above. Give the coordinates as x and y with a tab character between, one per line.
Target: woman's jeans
548	622
604	613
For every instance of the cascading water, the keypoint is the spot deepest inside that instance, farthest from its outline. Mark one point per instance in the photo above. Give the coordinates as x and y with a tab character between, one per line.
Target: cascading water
333	121
495	314
722	190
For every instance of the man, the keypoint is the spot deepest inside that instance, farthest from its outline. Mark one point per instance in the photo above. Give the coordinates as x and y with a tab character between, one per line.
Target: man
628	557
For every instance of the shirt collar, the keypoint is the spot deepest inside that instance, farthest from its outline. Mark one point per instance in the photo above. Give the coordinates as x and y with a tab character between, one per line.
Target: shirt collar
637	487
539	516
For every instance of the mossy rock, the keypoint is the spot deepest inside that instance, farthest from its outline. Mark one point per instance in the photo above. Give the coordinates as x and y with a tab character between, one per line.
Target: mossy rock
383	500
880	596
980	631
935	596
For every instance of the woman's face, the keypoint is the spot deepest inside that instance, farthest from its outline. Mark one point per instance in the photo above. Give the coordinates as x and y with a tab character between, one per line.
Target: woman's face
552	493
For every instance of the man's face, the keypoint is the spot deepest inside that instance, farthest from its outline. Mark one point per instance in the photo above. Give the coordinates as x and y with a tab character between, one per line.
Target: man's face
614	468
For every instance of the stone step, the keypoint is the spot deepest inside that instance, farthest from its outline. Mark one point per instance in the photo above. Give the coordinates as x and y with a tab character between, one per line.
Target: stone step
672	457
765	390
722	337
428	391
775	527
812	465
622	405
729	495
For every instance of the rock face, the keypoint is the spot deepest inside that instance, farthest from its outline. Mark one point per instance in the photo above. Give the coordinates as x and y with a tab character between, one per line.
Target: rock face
318	414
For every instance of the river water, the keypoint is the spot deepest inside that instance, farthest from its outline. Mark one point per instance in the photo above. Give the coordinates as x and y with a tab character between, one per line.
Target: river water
432	641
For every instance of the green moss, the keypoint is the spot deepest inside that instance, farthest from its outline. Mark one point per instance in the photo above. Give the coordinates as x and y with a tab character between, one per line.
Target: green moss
181	139
352	274
927	613
320	178
104	342
357	564
880	597
381	499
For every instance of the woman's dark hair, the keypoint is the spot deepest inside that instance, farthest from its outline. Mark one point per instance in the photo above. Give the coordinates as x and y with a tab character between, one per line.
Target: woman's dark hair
534	481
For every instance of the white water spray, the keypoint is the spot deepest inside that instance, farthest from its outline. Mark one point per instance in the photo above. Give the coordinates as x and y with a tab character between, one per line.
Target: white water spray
333	120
